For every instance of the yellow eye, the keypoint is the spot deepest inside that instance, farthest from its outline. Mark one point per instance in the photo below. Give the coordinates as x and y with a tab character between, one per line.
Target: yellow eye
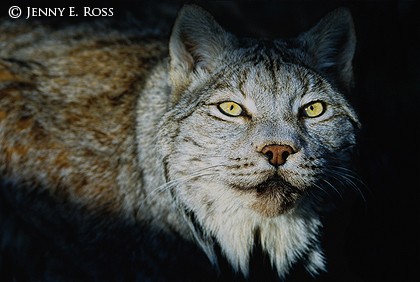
230	109
314	109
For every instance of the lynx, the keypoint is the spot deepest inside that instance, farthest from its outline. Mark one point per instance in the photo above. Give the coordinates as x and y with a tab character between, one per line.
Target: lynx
125	157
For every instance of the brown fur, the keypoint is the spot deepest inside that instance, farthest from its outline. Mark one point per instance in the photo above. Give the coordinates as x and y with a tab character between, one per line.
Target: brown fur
70	112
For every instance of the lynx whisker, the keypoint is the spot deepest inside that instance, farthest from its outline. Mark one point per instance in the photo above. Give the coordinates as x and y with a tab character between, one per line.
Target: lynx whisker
349	180
179	181
185	179
334	188
320	188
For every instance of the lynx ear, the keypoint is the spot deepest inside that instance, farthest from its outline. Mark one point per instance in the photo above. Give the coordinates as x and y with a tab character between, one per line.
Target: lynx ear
196	44
331	44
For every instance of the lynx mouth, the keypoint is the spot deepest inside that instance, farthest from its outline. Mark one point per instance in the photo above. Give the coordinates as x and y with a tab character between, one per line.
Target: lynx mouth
274	196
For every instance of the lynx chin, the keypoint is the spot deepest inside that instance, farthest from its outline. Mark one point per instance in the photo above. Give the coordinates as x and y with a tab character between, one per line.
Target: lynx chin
125	156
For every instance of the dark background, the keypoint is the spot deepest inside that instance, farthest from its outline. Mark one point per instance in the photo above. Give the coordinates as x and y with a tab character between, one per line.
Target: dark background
372	240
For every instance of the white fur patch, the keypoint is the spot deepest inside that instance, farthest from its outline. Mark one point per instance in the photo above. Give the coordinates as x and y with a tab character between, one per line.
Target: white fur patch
285	238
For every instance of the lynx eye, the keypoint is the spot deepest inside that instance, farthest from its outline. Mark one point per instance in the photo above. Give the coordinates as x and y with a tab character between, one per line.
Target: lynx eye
314	109
230	109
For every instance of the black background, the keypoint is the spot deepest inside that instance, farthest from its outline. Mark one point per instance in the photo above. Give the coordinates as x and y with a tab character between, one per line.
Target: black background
372	240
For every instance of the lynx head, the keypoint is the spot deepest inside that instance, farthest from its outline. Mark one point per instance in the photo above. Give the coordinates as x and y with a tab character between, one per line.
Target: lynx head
257	132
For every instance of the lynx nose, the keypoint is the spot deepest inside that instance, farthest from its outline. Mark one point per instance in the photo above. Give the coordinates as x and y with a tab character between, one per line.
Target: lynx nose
277	154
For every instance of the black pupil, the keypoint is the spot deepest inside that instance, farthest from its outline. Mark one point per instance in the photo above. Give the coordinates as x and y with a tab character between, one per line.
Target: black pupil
231	107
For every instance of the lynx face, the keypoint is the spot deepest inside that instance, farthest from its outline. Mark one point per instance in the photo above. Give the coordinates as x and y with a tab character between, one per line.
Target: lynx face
263	132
